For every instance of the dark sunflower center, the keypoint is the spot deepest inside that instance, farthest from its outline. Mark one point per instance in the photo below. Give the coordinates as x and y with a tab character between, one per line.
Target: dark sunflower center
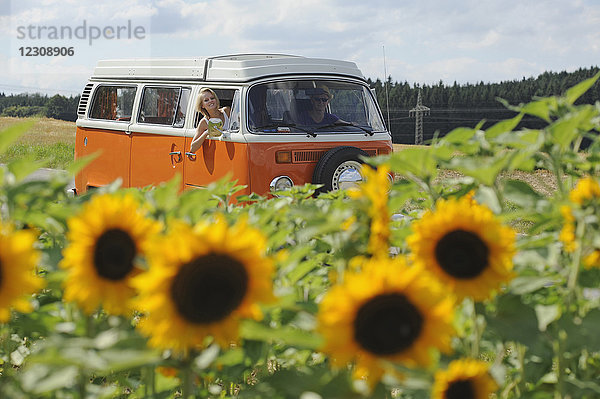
114	254
387	324
461	389
209	288
462	254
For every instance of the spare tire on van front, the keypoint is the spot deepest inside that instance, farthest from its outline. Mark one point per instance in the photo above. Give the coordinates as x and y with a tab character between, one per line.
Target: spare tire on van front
339	168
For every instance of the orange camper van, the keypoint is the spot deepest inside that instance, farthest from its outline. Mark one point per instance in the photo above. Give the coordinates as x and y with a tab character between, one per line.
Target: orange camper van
139	116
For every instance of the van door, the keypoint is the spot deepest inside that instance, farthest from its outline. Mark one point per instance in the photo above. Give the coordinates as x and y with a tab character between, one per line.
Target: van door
158	136
222	156
105	132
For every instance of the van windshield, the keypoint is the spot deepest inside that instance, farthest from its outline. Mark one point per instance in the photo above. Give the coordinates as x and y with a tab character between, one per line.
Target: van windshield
312	106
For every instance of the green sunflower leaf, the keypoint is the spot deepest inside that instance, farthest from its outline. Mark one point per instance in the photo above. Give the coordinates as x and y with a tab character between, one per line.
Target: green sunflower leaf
459	135
546	315
80	163
23	167
39	379
521	194
541	108
503	126
511	312
526	284
287	335
579	89
418	161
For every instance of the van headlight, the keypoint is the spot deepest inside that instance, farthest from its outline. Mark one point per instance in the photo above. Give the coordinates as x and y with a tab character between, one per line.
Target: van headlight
281	183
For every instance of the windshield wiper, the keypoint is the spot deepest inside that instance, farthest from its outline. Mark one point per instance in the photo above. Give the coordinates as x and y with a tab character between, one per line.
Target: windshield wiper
340	123
278	125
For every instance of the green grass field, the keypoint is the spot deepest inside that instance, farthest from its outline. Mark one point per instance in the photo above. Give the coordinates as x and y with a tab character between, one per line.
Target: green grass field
49	139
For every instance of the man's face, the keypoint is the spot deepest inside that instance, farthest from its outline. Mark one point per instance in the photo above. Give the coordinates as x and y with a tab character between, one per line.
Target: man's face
320	102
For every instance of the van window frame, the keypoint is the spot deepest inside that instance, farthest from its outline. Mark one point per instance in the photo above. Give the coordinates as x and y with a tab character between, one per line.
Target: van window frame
95	98
197	115
358	82
155	86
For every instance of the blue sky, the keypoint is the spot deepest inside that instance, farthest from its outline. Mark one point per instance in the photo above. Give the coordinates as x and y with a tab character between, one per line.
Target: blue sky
425	41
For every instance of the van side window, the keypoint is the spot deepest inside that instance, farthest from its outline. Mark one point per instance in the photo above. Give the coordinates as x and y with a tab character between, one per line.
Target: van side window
114	103
164	106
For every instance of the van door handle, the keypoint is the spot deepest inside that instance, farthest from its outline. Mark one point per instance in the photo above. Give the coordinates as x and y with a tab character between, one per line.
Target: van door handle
190	154
178	153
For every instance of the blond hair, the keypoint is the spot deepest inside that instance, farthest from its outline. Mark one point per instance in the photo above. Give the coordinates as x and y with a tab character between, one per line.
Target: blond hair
199	106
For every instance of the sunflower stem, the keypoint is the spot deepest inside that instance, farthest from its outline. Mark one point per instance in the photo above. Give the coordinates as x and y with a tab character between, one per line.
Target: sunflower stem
558	172
558	346
187	377
90	329
476	336
150	378
82	383
499	195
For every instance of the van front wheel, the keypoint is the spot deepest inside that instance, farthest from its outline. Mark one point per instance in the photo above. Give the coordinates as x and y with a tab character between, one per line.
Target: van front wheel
339	168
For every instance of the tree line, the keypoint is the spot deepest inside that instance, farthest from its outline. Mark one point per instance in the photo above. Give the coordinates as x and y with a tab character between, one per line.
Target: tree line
23	105
458	105
451	105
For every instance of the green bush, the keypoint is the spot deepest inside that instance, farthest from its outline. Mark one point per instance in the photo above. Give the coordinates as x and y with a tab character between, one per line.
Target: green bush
22	111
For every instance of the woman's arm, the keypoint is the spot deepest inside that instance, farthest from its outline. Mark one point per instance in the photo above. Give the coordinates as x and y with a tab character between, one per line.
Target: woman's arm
200	136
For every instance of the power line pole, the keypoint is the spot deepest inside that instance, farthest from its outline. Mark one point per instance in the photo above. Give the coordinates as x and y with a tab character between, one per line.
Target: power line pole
418	112
385	85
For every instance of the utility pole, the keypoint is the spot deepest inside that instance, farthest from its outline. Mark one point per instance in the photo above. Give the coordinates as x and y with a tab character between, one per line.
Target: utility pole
418	112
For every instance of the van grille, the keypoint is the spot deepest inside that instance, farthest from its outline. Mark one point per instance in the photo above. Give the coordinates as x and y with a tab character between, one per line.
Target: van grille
309	156
83	101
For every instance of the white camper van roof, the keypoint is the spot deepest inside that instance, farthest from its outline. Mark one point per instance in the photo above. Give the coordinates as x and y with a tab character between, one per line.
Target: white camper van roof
229	68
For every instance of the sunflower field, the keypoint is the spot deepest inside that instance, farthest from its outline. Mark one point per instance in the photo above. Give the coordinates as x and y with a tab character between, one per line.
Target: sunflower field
475	274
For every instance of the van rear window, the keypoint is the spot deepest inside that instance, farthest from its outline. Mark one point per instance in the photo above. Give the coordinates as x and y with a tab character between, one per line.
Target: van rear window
113	103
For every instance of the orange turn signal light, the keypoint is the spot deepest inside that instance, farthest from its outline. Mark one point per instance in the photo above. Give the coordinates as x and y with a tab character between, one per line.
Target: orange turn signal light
283	157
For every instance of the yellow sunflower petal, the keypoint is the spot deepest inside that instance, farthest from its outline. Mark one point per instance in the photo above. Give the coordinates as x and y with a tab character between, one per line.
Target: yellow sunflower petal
105	240
464	378
212	276
586	189
465	246
386	312
18	278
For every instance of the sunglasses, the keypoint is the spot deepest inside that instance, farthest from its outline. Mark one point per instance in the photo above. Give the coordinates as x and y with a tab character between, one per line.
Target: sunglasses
321	99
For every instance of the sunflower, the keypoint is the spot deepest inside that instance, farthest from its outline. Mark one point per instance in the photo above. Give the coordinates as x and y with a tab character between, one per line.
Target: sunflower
464	379
105	239
376	188
387	312
465	246
202	280
586	189
18	279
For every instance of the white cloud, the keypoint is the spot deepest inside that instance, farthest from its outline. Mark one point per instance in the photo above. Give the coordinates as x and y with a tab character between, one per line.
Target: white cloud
50	76
465	40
